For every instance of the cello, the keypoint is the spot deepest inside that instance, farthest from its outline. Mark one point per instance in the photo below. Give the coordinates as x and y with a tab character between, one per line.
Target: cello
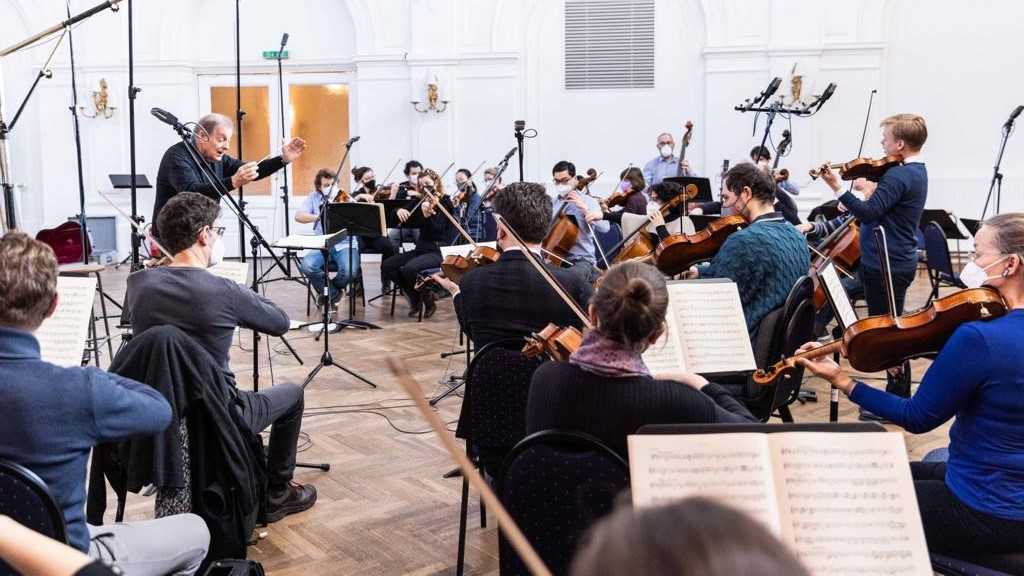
842	246
564	230
557	342
876	343
641	244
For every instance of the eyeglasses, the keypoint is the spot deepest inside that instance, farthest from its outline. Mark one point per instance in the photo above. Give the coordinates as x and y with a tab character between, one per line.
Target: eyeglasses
218	230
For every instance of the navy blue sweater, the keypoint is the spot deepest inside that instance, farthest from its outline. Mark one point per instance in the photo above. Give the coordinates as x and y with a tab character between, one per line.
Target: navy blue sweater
896	205
51	417
978	378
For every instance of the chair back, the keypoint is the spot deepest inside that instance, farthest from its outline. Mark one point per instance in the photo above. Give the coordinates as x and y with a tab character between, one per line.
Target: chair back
25	498
991	565
493	417
937	250
607	241
556	484
490	226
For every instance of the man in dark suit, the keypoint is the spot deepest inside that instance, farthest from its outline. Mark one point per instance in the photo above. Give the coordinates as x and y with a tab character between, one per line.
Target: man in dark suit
510	298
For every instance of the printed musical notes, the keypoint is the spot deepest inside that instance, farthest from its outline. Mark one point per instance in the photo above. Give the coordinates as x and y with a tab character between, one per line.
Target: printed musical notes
233	270
844	502
706	332
62	336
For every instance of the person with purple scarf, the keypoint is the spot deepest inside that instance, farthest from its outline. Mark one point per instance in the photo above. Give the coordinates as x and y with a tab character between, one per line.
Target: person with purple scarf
605	389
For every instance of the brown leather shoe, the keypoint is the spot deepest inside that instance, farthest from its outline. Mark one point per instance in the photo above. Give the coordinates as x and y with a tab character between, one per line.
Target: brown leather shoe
293	499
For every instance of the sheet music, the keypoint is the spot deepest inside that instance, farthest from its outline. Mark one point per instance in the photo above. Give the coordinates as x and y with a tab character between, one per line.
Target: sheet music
234	270
304	241
848	504
666	354
733	468
62	336
464	249
829	276
706	320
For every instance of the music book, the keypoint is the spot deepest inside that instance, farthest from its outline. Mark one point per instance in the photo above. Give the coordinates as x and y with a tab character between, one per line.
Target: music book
234	270
844	503
465	249
310	241
707	332
62	336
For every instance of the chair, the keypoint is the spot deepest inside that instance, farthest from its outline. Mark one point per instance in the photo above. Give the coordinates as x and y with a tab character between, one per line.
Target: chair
25	498
556	484
793	326
490	226
607	240
493	417
996	565
940	265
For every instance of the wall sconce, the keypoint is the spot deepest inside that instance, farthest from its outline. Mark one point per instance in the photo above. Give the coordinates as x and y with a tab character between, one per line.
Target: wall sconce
100	103
434	103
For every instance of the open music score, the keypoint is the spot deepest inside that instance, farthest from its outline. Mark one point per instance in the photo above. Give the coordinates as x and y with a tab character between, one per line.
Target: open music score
234	270
843	502
464	249
707	332
62	336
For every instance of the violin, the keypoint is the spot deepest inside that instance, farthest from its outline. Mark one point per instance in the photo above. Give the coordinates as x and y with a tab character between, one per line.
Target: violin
564	230
678	252
876	343
454	266
641	244
872	170
842	246
341	197
467	188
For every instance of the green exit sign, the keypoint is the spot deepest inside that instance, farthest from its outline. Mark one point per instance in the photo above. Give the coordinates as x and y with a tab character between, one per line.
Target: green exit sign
272	55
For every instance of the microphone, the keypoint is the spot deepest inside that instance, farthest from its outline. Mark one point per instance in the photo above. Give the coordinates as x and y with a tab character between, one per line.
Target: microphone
352	141
166	117
509	155
829	91
1013	116
772	87
284	40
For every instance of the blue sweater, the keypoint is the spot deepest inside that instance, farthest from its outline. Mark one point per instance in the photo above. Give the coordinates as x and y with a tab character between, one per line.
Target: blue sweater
765	260
50	417
978	377
896	205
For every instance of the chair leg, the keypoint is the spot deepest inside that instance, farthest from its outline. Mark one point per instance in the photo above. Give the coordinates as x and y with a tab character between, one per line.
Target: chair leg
785	415
461	560
483	513
394	296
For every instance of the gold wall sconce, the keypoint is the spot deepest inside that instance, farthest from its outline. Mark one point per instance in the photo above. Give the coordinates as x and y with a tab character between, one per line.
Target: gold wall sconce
101	107
434	102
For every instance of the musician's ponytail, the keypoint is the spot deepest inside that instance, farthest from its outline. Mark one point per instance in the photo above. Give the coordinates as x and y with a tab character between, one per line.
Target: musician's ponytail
630	304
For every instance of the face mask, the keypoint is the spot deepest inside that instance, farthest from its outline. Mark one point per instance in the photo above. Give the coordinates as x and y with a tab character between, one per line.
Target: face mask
370	184
665	150
652	207
217	252
624	185
974	276
562	189
488	182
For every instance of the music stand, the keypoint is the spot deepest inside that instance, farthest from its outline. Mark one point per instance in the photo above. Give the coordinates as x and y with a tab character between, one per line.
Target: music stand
971	225
359	219
703	186
122	182
950	224
844	315
392	222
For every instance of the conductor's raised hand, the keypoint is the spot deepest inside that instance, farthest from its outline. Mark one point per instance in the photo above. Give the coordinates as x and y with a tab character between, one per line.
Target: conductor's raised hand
292	150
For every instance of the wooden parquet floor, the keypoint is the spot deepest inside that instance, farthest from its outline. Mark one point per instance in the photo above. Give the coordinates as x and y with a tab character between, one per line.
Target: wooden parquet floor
384	507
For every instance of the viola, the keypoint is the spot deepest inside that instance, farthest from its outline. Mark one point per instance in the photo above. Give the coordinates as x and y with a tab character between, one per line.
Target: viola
557	342
640	245
678	252
564	232
860	168
455	266
842	246
876	343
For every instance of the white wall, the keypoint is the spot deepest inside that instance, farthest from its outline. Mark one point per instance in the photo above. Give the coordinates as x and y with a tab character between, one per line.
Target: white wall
500	60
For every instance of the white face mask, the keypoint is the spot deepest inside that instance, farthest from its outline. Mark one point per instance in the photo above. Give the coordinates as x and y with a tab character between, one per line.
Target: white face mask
217	252
665	150
652	207
974	276
562	189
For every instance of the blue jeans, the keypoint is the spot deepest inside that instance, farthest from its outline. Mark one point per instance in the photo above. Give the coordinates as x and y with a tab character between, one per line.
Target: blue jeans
312	266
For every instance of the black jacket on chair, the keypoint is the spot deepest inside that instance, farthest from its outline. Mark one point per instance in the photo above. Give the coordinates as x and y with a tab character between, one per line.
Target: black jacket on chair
227	467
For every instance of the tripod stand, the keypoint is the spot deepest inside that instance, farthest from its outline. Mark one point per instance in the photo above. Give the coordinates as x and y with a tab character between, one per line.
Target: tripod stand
997	177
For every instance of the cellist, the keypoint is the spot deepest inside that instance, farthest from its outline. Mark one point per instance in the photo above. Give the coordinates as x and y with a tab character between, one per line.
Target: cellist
585	212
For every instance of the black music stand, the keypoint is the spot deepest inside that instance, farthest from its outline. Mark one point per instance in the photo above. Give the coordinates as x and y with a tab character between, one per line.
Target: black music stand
391	220
703	186
971	225
325	330
950	224
124	182
359	219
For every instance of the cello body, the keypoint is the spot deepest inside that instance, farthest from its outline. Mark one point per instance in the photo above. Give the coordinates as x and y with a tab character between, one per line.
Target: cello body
843	247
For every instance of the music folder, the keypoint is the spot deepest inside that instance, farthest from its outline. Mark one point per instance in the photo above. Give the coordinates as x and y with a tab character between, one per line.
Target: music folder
703	186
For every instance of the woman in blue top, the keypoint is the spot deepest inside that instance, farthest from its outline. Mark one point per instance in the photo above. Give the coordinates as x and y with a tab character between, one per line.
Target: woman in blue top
974	503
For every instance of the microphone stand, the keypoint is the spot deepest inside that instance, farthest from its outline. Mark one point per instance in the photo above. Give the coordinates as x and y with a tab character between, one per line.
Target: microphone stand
132	92
519	126
997	176
284	172
239	115
78	149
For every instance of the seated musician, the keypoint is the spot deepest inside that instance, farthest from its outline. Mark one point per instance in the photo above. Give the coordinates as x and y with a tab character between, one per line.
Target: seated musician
785	189
666	163
510	298
582	209
468	208
53	417
409	189
974	503
364	191
490	175
606	389
766	258
312	263
434	231
184	294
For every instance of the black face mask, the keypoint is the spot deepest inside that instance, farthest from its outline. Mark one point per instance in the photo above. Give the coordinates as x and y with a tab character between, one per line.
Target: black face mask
370	184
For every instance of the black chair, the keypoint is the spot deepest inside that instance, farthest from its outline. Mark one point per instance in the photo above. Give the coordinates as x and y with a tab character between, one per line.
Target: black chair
556	484
940	265
490	226
607	240
997	565
793	326
493	417
25	498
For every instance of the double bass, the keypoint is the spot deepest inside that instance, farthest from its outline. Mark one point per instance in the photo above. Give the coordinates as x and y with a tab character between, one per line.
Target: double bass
564	232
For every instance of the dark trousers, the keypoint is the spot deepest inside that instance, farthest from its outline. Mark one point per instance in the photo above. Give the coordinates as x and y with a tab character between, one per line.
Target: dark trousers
954	528
874	294
280	406
379	244
402	269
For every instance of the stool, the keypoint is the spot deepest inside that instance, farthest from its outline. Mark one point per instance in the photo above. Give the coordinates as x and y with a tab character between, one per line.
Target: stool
79	269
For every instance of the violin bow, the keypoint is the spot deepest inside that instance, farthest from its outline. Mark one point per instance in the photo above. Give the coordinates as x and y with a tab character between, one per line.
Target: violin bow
390	172
437	202
544	272
134	224
469	472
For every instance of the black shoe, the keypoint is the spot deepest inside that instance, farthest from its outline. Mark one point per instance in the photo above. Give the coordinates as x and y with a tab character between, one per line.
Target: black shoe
429	305
293	499
868	416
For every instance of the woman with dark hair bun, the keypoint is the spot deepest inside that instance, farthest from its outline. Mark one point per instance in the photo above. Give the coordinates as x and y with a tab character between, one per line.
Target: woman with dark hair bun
605	389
